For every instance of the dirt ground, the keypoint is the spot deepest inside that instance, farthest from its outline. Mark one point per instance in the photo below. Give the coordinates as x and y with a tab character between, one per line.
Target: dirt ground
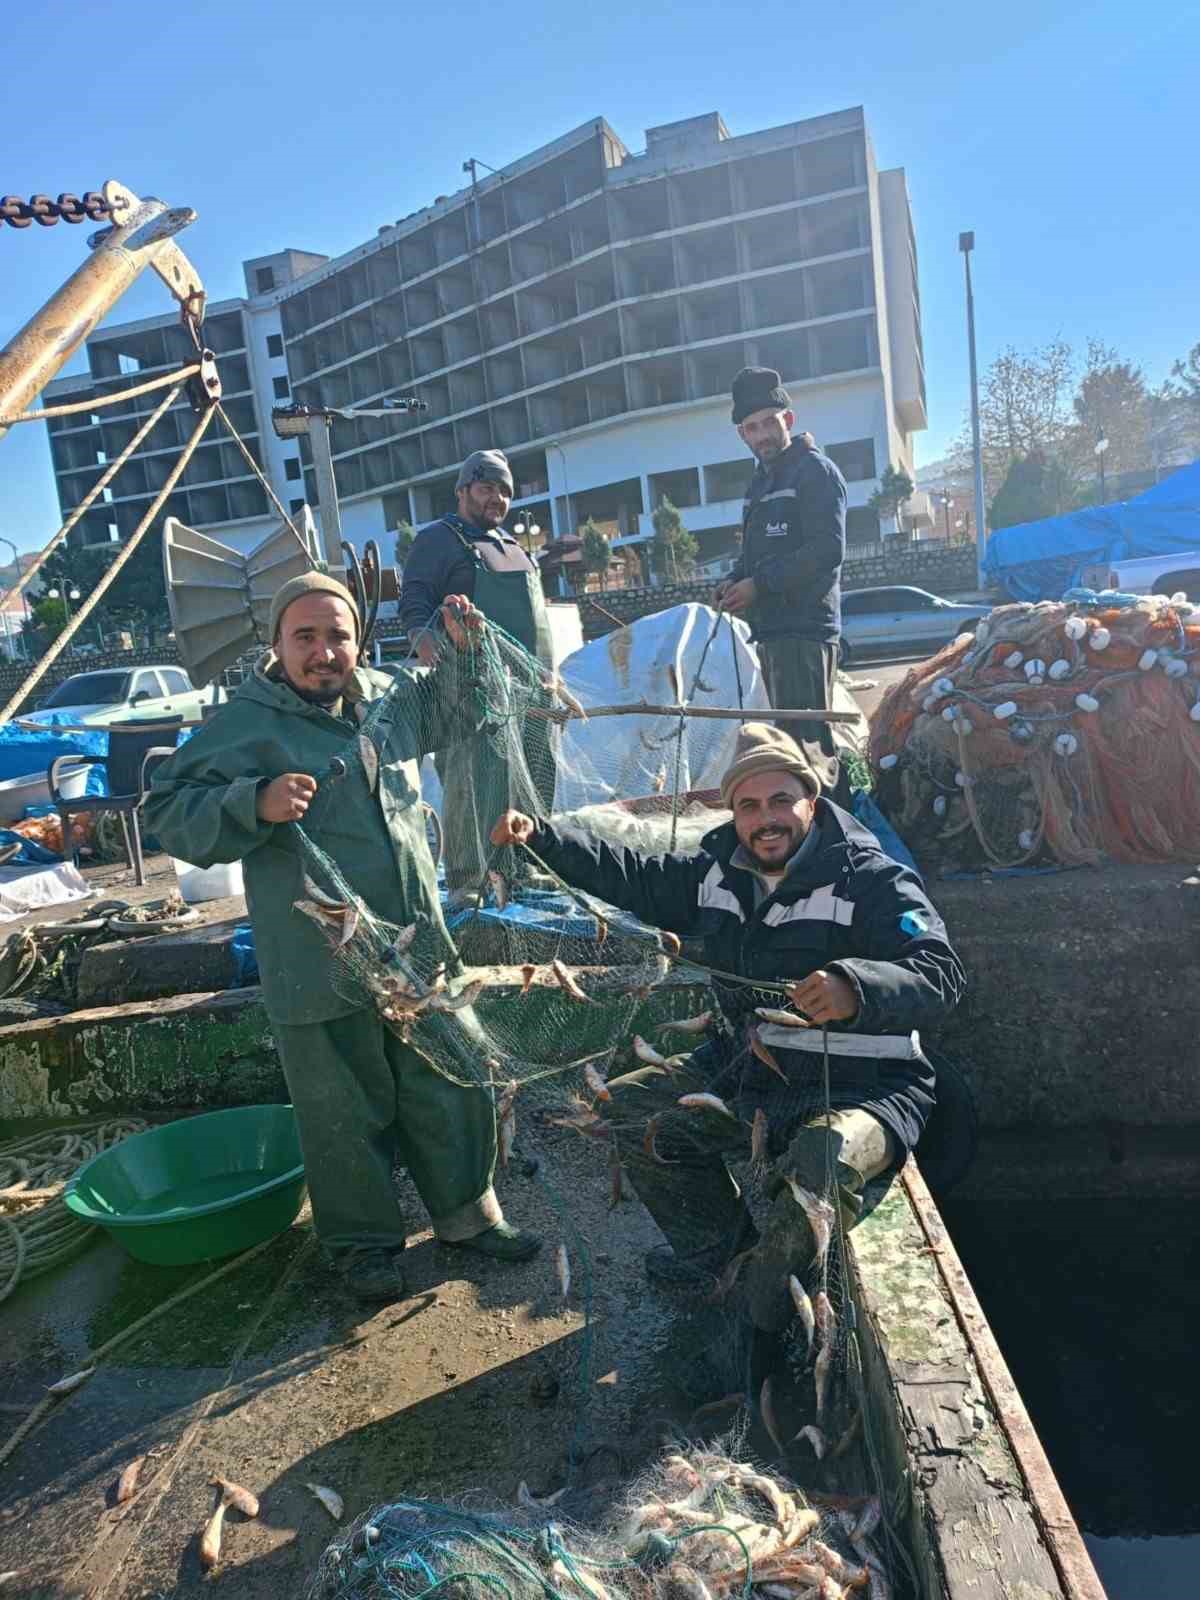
481	1377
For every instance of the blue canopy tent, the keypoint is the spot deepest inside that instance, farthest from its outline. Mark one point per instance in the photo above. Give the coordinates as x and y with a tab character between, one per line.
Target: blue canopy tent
1041	560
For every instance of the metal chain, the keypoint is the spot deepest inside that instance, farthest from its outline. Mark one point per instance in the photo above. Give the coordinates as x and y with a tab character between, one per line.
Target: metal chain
18	213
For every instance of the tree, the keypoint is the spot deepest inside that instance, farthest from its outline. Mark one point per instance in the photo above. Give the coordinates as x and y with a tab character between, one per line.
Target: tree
47	619
405	535
595	553
138	596
1113	403
1024	407
894	492
1032	489
675	550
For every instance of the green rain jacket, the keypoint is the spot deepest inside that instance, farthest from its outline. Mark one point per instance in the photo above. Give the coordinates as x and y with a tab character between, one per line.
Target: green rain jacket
202	805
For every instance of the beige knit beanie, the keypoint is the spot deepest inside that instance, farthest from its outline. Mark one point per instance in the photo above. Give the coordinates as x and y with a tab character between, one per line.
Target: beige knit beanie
310	583
761	747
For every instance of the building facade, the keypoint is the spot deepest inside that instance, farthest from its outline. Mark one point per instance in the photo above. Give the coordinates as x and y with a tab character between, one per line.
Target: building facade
585	310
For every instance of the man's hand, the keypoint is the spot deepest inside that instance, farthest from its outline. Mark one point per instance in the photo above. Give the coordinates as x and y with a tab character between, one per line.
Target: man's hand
825	997
514	827
286	799
462	620
428	650
737	597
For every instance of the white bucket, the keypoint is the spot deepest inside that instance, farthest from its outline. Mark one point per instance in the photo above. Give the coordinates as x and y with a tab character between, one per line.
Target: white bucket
197	884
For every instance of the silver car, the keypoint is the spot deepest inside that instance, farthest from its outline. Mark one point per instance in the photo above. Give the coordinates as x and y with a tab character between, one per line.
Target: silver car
899	617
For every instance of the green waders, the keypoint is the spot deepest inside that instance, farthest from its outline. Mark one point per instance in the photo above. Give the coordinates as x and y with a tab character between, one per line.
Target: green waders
476	783
801	673
682	1179
364	1102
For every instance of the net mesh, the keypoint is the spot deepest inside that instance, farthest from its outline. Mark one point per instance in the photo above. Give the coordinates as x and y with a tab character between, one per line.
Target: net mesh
698	1524
603	1027
1063	732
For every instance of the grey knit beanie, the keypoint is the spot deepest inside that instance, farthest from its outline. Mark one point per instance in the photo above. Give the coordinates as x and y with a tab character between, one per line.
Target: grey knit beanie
311	583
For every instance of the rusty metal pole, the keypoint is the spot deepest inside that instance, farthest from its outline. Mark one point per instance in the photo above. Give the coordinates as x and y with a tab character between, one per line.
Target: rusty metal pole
53	334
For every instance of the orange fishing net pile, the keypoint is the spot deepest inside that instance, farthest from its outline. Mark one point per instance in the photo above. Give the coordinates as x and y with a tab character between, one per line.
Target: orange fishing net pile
1064	731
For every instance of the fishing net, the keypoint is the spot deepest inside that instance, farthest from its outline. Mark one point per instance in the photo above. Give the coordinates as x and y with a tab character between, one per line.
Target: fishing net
600	1026
697	1525
1063	732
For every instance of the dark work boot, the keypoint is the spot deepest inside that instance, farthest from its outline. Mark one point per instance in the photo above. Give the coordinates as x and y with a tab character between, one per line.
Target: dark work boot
372	1274
502	1243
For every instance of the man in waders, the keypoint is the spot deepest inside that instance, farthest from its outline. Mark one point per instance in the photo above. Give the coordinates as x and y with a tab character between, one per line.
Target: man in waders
796	895
786	584
234	792
470	553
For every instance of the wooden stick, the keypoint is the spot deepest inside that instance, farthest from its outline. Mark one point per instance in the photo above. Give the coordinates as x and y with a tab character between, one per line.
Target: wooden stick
640	708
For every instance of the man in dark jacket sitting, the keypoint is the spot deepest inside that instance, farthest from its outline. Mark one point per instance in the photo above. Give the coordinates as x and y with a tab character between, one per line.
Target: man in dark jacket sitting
799	899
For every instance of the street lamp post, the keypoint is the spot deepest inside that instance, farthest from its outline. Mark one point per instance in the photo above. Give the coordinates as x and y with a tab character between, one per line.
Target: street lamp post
24	594
944	497
966	243
1101	447
526	525
68	592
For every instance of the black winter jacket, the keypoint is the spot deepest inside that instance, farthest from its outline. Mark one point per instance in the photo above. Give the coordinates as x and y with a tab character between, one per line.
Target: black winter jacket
846	907
793	544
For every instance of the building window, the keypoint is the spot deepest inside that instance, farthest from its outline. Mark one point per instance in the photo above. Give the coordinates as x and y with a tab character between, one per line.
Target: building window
728	480
264	277
291	469
280	388
294	506
856	458
862	525
274	344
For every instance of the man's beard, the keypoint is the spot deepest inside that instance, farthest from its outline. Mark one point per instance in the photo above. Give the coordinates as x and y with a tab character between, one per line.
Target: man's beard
775	864
767	453
319	697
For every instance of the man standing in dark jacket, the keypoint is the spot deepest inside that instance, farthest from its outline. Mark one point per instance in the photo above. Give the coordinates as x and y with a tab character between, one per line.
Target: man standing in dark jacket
799	899
786	584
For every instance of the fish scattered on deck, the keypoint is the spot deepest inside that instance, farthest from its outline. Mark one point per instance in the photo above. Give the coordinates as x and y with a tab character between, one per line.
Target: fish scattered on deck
499	885
127	1482
826	1321
460	1001
804	1307
567	981
562	1265
706	1102
210	1540
232	1494
65	1385
760	1130
837	1566
852	1432
329	1498
650	1147
339	926
868	1520
766	1406
782	1019
557	685
528	973
696	1024
595	1084
765	1056
636	1078
819	1213
815	1438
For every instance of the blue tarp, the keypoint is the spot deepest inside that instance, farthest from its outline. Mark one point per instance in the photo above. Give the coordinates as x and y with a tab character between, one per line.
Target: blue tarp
25	753
1040	560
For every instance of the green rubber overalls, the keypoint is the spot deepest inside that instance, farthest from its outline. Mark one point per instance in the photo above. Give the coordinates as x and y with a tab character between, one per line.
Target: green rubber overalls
476	782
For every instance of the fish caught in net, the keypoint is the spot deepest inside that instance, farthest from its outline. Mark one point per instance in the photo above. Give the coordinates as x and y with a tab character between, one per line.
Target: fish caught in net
699	1524
1063	732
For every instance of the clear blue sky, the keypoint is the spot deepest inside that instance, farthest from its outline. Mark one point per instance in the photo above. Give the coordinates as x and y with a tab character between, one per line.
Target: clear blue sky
1063	133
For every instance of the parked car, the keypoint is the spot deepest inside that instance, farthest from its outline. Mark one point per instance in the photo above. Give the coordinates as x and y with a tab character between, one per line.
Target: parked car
898	617
1176	573
121	694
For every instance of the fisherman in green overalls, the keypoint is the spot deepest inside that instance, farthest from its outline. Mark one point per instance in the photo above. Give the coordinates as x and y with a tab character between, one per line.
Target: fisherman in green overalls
471	553
239	790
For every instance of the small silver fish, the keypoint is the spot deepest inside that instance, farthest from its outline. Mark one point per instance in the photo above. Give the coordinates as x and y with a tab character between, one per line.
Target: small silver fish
499	885
660	779
869	1519
338	926
568	982
65	1385
782	1019
460	1001
765	1056
816	1438
837	1566
647	1053
650	1148
568	699
319	895
819	1213
562	1265
637	1078
766	1406
696	1024
705	1101
210	1539
404	938
596	1084
821	1368
879	1584
232	1494
329	1498
127	1482
826	1321
804	1308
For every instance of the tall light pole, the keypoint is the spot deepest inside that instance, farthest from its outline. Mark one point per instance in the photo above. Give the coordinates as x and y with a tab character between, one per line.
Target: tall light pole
24	595
526	525
68	592
1101	447
966	243
944	497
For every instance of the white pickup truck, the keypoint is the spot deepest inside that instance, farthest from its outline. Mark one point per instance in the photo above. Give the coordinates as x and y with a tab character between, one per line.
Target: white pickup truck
1177	573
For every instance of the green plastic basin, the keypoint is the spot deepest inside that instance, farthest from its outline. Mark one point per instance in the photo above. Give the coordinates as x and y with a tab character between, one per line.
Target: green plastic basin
197	1189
